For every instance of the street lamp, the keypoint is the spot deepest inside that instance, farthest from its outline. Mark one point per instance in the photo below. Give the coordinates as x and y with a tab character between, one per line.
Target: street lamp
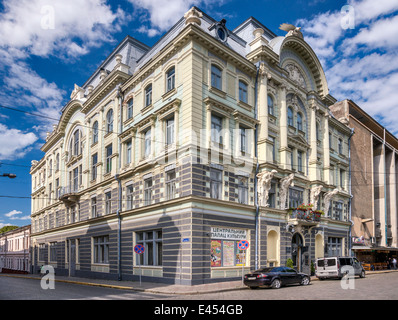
10	175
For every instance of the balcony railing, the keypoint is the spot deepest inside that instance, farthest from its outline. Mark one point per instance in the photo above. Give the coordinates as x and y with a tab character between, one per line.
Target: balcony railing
68	190
307	215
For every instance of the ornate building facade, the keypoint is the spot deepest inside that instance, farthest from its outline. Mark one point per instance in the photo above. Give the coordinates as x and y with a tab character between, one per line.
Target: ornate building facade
210	137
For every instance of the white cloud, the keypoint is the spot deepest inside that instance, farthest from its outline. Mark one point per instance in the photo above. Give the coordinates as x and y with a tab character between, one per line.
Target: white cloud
360	64
43	27
14	143
14	215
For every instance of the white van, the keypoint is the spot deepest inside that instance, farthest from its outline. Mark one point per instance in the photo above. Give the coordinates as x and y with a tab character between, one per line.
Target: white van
337	267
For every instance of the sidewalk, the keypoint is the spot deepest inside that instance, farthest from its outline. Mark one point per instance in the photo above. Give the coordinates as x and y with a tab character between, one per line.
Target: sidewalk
159	288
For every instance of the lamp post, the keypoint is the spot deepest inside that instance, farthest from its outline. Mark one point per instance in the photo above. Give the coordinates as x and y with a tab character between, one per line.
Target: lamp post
10	175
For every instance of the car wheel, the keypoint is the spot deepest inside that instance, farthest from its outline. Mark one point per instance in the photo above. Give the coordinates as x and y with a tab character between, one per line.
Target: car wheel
362	274
305	281
276	284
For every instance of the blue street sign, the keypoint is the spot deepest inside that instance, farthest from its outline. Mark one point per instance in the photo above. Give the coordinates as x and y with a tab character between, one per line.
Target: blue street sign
139	249
243	244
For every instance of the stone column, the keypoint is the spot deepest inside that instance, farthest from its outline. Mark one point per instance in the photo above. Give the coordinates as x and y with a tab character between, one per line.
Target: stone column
326	150
283	127
263	112
313	140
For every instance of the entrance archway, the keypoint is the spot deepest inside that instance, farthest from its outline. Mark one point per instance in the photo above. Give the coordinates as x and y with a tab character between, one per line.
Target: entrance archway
297	248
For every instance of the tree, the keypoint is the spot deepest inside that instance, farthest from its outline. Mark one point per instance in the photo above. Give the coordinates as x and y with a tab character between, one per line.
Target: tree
8	228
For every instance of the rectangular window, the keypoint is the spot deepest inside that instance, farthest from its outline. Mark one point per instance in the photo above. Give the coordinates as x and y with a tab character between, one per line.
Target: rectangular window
109	158
152	242
243	92
226	253
296	197
273	140
128	151
334	247
215	184
300	161
148	95
170	184
147	143
101	249
74	176
170	79
53	251
243	139
147	191
94	212
243	190
216	127
42	251
108	202
130	109
170	131
129	197
272	196
94	161
216	80
342	178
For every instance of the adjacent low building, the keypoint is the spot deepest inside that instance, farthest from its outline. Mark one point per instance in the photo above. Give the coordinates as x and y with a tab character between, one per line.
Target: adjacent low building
374	160
15	251
209	137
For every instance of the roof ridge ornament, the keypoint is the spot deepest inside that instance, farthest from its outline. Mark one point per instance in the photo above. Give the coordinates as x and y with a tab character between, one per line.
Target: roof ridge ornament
291	30
192	16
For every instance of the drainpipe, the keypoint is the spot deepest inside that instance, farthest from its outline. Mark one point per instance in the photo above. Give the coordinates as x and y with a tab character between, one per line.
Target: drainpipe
385	188
119	202
255	176
350	200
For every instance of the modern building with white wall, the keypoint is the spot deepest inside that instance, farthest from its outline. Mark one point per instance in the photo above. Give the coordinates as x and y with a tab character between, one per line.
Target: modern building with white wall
205	139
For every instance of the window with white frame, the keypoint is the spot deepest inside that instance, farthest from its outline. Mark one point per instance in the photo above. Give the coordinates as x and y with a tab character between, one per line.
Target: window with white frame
170	184
170	79
243	194
95	132
215	183
216	77
243	139
109	121
130	108
243	91
170	131
147	191
108	150
128	151
108	202
94	161
129	197
153	244
101	249
147	142
94	209
148	95
216	128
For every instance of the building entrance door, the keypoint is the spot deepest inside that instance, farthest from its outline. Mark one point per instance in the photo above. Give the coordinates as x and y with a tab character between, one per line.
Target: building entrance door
297	251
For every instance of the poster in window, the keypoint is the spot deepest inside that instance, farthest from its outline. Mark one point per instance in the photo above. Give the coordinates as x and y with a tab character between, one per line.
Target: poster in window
240	258
215	253
228	253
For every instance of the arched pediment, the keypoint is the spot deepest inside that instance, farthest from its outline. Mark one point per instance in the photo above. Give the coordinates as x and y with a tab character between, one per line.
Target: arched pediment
67	114
311	61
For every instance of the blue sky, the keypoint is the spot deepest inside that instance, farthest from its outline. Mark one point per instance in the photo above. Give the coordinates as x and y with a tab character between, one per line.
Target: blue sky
46	46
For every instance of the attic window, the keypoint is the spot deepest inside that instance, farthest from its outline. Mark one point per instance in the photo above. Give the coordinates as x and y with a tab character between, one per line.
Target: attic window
221	30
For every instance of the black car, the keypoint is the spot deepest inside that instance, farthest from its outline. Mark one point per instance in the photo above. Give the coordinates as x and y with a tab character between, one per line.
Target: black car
275	277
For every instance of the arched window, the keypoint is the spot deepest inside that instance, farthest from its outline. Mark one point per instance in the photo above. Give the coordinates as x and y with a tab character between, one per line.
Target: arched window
170	79
130	108
299	121
216	77
243	91
148	95
271	110
95	132
290	117
109	121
